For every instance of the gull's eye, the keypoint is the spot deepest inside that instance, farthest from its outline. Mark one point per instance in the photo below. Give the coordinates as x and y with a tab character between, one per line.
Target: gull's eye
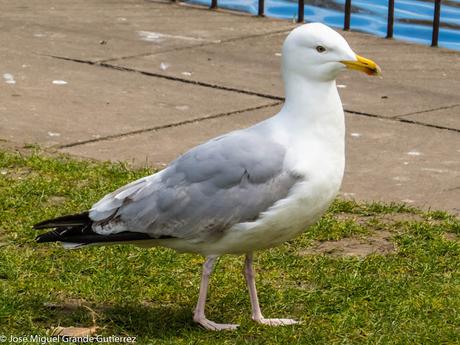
320	49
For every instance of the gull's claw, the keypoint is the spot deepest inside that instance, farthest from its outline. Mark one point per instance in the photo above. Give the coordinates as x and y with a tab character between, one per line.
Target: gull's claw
277	322
213	326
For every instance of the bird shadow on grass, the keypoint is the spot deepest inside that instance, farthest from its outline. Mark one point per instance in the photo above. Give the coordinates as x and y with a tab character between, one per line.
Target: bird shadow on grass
150	321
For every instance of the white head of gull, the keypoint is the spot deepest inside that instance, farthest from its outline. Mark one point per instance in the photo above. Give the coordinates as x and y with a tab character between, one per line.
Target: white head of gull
247	190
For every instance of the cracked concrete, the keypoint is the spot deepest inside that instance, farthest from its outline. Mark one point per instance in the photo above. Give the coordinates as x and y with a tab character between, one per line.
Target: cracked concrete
445	117
144	81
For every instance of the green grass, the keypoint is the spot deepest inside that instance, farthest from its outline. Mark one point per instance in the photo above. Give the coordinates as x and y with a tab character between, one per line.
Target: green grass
411	296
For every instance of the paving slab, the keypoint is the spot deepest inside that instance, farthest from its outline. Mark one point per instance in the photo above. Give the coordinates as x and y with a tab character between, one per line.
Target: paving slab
393	161
106	29
386	160
253	64
448	118
54	102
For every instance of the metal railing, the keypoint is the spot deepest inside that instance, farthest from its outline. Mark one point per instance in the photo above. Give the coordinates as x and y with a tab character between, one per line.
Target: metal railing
347	16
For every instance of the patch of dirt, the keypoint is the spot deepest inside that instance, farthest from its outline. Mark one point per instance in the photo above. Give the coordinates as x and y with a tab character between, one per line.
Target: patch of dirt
391	218
399	217
451	237
17	173
378	242
74	331
69	304
3	239
56	200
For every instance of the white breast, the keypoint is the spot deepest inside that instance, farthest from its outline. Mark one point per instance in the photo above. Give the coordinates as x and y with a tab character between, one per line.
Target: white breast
289	217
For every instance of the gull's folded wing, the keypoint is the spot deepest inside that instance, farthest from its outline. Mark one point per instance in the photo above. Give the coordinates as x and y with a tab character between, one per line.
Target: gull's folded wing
228	180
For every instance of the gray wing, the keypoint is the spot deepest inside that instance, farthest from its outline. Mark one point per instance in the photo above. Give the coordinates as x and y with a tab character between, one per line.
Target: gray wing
200	195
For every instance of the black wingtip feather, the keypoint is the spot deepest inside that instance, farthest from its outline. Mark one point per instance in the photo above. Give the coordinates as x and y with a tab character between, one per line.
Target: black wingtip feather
69	220
77	228
51	236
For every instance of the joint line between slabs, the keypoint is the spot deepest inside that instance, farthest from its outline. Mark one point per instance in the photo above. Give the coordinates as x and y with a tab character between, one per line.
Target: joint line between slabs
427	110
170	125
428	125
158	75
200	45
397	119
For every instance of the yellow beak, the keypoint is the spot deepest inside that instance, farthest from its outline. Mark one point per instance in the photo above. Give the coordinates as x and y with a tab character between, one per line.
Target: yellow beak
364	65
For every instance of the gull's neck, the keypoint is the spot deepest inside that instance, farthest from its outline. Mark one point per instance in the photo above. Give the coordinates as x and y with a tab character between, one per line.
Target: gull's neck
310	102
312	110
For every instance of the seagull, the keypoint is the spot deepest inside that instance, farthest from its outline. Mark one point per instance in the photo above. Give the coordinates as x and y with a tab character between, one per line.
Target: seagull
244	191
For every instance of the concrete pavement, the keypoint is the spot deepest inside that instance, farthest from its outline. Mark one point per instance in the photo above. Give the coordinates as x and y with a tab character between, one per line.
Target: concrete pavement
143	81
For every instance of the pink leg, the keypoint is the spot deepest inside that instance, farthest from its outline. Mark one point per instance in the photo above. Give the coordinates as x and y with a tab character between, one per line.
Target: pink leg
256	313
199	316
